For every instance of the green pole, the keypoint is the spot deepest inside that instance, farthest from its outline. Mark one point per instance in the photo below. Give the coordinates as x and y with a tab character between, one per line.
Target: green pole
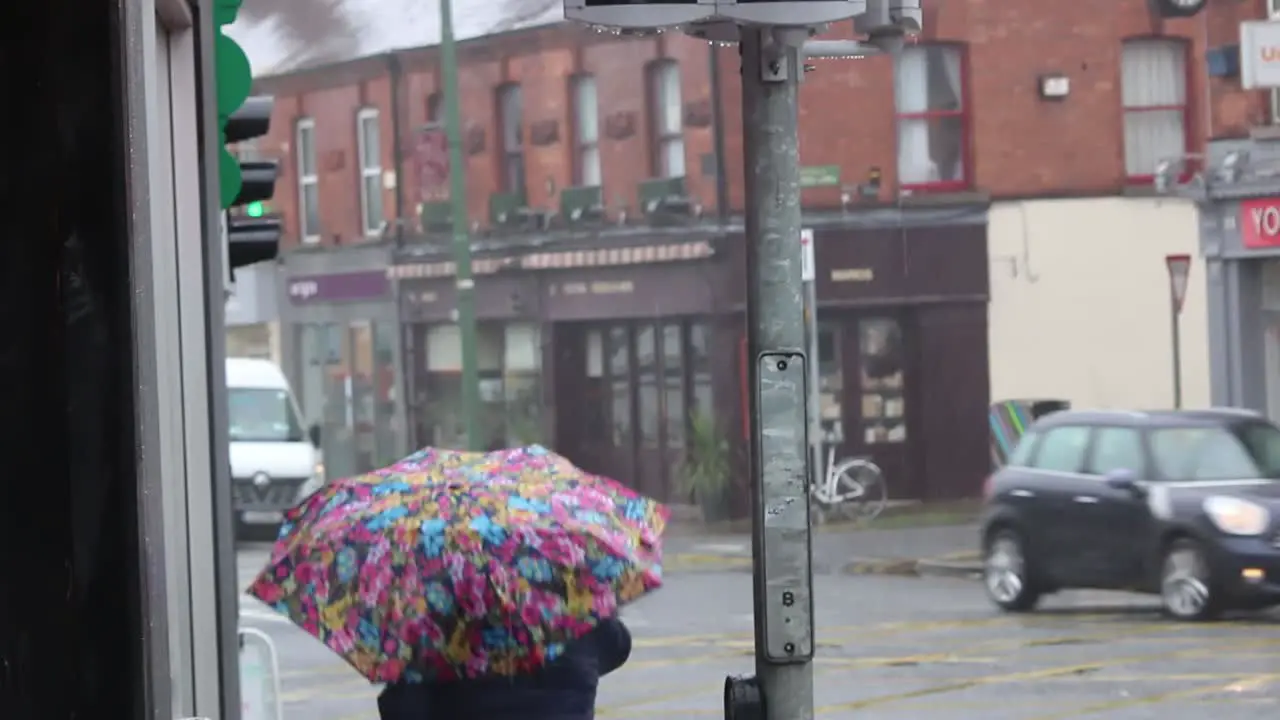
461	235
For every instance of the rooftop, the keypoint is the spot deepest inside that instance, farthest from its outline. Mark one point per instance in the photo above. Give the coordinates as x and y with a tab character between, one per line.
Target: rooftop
284	36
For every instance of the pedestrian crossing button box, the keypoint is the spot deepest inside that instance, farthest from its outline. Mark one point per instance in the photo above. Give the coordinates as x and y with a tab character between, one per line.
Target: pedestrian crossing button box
784	577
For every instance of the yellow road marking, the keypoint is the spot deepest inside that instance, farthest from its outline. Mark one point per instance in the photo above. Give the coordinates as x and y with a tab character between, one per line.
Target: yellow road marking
1154	699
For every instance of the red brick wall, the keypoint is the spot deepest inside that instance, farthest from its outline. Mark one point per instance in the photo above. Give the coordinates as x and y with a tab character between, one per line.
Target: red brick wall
1020	145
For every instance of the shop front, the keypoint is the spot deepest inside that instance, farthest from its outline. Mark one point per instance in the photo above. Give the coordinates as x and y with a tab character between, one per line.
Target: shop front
902	350
633	350
342	349
509	358
601	352
1241	243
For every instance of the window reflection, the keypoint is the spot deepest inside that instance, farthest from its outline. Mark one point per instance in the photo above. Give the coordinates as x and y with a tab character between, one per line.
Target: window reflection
883	406
700	364
673	385
647	385
620	380
830	381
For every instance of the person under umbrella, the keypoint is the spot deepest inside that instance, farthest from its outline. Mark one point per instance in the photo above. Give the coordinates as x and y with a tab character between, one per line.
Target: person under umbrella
565	689
476	585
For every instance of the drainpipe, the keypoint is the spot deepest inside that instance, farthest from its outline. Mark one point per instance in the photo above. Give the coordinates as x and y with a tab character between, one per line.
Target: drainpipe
717	130
396	73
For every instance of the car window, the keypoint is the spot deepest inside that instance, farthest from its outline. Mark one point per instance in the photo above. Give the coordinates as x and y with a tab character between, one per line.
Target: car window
1117	448
1262	440
1202	453
1062	449
1022	451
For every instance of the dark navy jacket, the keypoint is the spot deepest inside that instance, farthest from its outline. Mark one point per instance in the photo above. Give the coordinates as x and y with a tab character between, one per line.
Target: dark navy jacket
564	690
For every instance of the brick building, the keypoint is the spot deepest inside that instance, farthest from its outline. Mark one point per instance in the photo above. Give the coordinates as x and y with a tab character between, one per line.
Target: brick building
982	207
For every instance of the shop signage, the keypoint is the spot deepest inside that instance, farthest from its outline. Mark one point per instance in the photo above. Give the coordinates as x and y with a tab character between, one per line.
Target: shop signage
623	287
820	176
1260	54
338	287
1260	223
853	275
565	260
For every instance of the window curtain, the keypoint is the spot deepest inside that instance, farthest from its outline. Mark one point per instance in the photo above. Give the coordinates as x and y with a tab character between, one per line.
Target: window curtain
948	94
1153	86
588	122
911	95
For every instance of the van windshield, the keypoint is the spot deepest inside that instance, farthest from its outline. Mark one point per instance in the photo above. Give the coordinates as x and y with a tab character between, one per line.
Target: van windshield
262	415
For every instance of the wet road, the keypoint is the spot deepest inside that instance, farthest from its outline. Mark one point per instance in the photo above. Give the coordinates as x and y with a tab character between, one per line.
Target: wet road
891	649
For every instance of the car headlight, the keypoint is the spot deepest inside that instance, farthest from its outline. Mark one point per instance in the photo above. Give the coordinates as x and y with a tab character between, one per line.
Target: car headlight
1237	517
313	483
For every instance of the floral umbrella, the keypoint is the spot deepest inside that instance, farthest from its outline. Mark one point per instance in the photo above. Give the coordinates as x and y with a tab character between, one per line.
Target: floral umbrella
451	564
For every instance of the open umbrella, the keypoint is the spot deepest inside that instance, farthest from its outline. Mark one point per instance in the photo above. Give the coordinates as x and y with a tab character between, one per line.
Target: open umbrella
452	564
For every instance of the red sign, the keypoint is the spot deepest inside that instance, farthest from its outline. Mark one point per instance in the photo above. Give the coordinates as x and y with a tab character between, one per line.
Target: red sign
431	160
1260	222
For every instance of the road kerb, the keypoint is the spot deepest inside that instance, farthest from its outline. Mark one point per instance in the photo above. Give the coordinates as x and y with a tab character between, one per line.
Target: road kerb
963	565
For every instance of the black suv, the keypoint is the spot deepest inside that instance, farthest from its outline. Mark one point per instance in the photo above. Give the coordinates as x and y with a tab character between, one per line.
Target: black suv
1183	504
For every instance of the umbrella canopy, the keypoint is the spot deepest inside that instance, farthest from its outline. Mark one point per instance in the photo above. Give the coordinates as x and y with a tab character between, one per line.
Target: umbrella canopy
451	564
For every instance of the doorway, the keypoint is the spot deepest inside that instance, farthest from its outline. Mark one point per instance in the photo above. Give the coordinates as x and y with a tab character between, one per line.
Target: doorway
631	416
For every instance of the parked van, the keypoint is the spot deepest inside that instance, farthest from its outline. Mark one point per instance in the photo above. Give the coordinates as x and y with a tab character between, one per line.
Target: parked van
275	462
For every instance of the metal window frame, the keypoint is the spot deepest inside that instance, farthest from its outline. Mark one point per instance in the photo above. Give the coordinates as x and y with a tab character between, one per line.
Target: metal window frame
370	166
308	235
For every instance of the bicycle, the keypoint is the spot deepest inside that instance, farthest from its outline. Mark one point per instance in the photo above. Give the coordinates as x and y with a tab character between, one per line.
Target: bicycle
853	489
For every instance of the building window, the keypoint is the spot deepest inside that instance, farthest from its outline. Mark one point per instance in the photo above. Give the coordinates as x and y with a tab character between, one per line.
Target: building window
586	126
932	117
510	112
308	182
370	149
1153	88
435	108
247	151
667	112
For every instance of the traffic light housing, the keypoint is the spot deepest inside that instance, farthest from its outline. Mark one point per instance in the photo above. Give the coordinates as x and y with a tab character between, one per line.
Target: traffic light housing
252	235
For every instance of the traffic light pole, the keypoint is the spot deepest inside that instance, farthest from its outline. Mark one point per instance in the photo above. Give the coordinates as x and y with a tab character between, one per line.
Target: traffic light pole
466	295
779	420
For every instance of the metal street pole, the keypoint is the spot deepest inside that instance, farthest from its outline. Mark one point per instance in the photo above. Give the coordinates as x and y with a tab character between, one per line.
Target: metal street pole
1174	312
779	376
466	295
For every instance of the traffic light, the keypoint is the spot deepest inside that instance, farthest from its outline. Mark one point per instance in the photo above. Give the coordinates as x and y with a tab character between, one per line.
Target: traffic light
252	234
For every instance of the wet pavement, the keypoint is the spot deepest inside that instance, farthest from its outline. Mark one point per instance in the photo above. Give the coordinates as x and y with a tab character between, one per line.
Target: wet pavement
890	648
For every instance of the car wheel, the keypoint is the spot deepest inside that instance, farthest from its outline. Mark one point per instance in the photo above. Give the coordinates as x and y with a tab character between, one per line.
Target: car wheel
1186	583
1006	574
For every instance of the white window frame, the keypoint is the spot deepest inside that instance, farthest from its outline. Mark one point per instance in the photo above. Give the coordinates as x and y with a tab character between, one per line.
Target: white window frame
668	142
587	169
308	235
370	168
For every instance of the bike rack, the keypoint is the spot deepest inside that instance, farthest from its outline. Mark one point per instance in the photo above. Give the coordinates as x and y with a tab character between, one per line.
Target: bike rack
261	679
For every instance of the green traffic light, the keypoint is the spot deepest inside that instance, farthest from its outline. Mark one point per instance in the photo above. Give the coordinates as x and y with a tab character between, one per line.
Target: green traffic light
255	210
234	79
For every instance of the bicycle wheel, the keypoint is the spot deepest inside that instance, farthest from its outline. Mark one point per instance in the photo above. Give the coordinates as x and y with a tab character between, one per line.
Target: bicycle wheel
860	490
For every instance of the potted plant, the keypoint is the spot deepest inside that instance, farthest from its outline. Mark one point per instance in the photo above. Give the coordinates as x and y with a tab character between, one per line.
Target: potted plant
707	467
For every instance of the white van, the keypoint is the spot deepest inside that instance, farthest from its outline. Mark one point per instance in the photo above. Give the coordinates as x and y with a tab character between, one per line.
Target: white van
275	462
